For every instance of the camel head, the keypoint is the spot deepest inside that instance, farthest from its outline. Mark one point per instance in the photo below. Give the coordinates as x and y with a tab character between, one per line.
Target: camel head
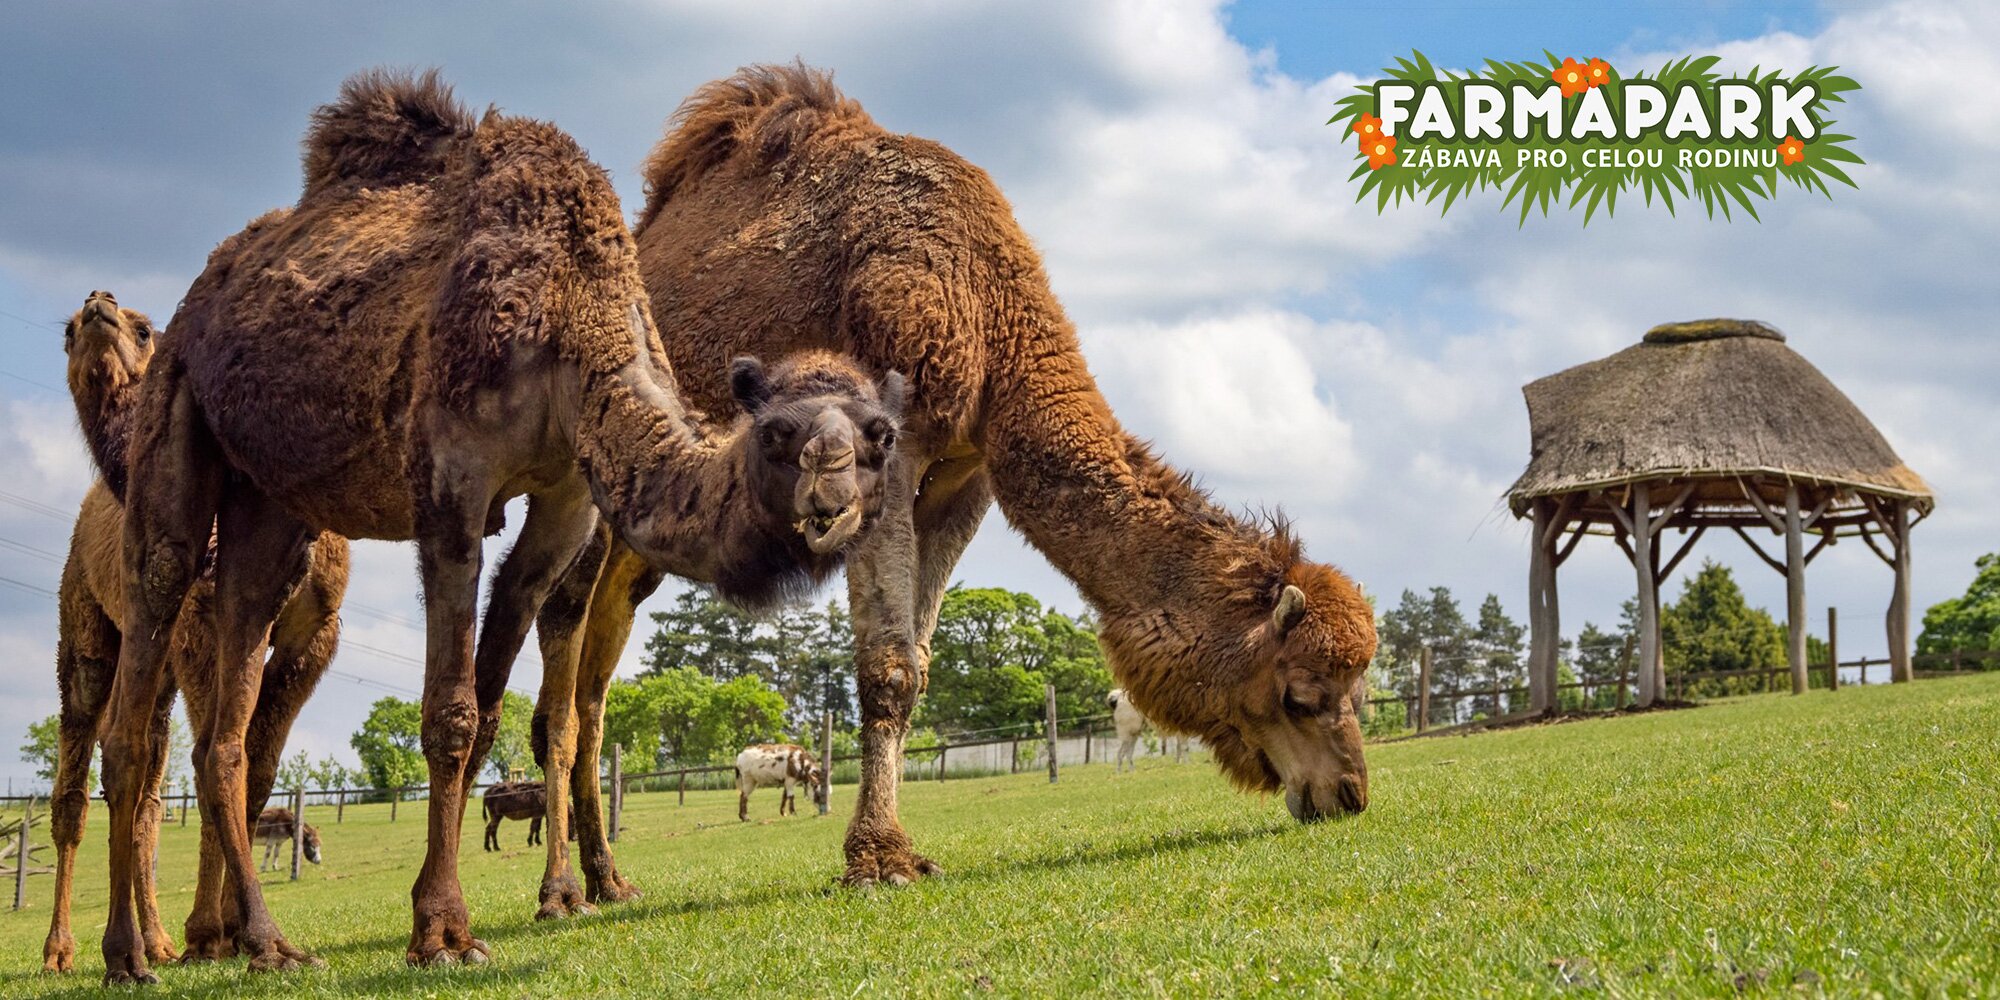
108	346
312	843
821	432
1266	685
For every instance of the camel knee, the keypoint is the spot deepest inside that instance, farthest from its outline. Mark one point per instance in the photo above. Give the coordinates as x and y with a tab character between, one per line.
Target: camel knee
450	730
889	687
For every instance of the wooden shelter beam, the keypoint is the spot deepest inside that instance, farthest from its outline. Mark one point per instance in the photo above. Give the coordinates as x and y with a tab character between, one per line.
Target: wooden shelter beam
1641	523
1754	547
1686	547
1543	623
1795	587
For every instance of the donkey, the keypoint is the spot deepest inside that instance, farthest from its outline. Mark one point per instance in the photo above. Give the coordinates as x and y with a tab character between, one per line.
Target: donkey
514	800
763	765
274	828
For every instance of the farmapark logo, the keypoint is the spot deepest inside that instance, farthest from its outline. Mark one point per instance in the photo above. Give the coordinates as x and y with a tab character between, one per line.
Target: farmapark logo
1576	132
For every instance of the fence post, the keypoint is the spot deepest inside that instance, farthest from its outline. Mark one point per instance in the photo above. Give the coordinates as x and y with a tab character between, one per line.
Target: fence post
1424	691
184	809
395	799
1957	660
942	747
826	764
617	790
1833	649
1089	737
21	856
298	830
1014	764
1052	734
684	787
340	808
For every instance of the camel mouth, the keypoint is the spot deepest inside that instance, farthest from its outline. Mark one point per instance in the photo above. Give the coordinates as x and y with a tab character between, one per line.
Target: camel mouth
1347	800
828	533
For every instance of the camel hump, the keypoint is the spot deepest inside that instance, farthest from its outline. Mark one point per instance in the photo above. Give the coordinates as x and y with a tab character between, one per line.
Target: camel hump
389	127
765	108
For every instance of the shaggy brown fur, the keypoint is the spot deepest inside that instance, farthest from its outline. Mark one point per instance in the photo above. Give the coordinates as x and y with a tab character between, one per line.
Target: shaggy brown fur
780	216
109	350
514	800
449	318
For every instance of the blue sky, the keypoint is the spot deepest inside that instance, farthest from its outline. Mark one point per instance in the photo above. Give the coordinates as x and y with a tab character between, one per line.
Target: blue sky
1361	370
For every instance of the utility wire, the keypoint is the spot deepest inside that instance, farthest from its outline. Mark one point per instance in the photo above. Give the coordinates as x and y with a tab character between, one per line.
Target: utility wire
33	506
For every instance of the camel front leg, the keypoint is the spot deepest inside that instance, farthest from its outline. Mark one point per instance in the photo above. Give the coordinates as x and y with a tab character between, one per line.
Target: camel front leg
889	676
261	554
623	582
451	514
146	831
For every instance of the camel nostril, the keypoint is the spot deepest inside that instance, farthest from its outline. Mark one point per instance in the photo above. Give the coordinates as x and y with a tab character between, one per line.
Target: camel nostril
1348	793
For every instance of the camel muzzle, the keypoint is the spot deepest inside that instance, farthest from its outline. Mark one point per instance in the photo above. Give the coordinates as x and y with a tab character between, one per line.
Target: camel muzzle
828	498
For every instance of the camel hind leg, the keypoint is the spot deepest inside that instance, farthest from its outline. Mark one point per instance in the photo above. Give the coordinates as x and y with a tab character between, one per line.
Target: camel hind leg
86	663
146	833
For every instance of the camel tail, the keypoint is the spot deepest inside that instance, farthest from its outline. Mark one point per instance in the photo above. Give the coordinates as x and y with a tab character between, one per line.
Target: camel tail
388	127
767	108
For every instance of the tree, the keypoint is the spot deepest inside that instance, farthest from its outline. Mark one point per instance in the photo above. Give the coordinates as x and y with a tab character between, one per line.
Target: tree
704	631
1497	645
390	744
41	750
329	773
1970	621
1600	660
804	654
293	772
512	743
1420	620
1711	627
994	654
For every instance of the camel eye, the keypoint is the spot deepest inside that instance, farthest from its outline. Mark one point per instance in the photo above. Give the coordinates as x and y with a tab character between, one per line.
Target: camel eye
1302	700
883	433
145	332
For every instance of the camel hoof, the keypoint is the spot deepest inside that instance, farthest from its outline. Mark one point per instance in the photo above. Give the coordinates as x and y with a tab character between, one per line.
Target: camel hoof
615	890
898	879
126	977
59	954
162	955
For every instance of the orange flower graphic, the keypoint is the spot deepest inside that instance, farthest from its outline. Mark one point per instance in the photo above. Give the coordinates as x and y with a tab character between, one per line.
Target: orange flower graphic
1792	150
1367	127
1600	73
1574	77
1381	151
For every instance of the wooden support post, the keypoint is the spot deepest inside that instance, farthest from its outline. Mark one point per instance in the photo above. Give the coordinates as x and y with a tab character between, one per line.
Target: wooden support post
340	808
184	809
1424	691
826	763
617	791
684	787
1899	601
1052	734
1649	598
21	855
395	797
1795	588
298	830
1833	649
942	747
1541	640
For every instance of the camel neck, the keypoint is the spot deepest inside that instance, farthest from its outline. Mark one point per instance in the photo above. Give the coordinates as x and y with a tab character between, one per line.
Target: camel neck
1120	523
104	413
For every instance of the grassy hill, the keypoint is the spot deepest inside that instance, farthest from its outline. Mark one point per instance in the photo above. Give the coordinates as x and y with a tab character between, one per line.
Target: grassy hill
1843	843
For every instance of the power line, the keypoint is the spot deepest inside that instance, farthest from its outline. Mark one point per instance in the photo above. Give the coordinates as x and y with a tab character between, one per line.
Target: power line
36	384
27	549
30	322
33	506
29	587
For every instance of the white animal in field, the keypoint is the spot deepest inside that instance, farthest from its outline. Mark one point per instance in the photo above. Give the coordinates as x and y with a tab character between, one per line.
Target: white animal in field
1130	723
274	829
764	765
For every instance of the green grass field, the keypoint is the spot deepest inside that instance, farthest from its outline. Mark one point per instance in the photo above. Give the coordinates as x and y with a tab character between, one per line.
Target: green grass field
1840	844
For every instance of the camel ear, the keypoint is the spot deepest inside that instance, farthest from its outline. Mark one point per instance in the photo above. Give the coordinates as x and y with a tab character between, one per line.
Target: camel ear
749	384
1291	609
895	392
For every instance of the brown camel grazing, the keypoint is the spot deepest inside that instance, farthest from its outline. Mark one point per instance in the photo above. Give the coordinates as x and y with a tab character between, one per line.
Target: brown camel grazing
450	317
109	350
514	800
778	217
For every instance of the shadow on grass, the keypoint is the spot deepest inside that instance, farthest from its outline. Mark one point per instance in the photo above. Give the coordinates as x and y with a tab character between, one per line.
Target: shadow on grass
236	980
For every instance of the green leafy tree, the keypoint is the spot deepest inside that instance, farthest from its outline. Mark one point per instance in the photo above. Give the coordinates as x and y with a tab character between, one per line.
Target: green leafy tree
1418	620
704	632
293	772
1496	641
993	655
390	745
329	773
1970	621
41	750
1711	627
1600	660
512	743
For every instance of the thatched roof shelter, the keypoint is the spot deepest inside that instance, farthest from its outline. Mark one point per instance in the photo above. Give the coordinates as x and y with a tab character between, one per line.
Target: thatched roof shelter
1713	423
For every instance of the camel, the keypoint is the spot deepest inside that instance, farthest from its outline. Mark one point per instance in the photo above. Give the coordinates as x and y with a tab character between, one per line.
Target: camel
450	317
780	216
109	349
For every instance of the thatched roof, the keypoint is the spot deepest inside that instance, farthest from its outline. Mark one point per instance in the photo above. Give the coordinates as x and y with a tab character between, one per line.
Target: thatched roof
1709	399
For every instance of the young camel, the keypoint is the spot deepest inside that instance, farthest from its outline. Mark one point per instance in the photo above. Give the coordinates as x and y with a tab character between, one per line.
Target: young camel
774	195
109	350
449	318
